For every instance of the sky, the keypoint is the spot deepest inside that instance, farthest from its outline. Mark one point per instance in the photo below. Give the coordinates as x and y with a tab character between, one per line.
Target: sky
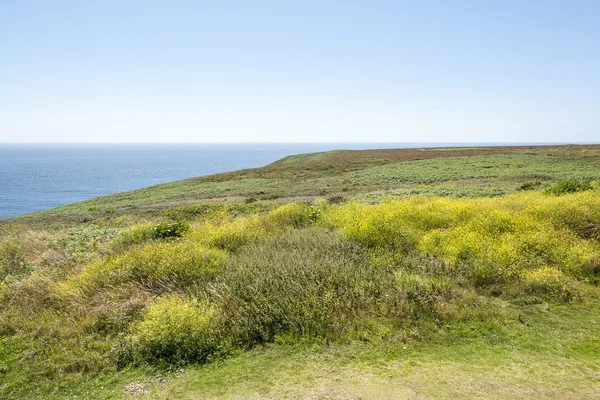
300	71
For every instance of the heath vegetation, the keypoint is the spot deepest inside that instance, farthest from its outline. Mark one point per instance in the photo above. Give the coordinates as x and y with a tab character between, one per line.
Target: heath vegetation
99	295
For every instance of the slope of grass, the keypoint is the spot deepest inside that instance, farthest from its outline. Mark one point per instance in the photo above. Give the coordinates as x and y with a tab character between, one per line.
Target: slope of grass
368	173
436	296
506	166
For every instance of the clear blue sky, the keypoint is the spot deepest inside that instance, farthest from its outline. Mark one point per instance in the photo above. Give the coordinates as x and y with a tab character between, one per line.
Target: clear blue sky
229	71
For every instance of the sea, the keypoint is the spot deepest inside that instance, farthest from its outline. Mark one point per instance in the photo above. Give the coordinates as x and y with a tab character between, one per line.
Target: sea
36	177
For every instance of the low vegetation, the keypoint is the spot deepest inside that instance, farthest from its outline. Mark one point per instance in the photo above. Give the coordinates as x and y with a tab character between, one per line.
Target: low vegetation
137	293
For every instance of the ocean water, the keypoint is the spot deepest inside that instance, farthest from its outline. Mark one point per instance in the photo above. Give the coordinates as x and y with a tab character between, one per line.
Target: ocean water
35	177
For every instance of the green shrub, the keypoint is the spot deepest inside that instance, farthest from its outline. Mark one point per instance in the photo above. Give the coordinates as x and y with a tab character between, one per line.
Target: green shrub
176	329
569	186
313	284
227	233
162	230
175	229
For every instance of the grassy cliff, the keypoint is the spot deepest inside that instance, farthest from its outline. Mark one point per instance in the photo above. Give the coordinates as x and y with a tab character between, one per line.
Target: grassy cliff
440	273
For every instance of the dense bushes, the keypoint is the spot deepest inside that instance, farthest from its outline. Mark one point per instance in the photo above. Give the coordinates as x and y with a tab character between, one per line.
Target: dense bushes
423	292
261	277
319	271
176	329
307	283
228	233
492	240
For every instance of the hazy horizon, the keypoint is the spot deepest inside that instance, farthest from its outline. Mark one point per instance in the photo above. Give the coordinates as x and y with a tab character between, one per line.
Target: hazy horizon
515	143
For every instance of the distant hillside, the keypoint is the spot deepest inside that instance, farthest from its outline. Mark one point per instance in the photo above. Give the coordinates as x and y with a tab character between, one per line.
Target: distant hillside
369	175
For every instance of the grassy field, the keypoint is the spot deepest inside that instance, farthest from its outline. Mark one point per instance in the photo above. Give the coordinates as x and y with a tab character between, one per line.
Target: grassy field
411	273
369	174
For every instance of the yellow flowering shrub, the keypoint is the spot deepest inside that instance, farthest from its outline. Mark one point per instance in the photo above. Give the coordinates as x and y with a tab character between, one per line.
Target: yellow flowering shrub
176	329
548	281
155	265
494	238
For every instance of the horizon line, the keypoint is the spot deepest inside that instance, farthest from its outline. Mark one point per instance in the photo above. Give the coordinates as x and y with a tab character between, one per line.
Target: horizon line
329	142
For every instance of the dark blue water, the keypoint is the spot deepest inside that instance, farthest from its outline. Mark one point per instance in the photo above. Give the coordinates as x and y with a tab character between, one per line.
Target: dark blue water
35	177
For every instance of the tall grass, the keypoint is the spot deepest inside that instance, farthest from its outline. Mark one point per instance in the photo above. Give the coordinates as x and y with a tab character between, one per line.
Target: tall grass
301	271
302	284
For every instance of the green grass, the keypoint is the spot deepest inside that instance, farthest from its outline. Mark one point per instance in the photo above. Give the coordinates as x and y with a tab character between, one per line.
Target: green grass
308	157
516	167
372	175
522	361
542	352
463	273
174	192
